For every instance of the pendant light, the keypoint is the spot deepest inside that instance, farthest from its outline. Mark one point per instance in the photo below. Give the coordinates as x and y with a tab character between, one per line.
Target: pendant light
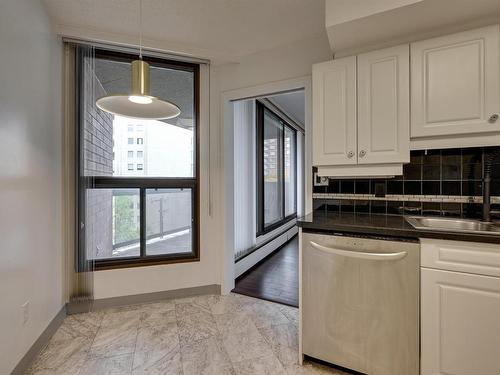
139	103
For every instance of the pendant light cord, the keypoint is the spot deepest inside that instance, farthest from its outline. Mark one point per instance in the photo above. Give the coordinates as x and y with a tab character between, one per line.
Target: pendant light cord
140	29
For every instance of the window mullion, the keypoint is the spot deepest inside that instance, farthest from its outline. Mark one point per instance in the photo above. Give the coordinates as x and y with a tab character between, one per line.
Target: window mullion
142	200
283	212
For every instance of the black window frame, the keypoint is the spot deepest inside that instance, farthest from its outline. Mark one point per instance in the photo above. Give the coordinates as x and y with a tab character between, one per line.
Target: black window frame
262	229
141	183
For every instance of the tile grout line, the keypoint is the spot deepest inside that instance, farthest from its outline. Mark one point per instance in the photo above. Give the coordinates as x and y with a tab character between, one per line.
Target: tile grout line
219	336
178	336
88	356
135	344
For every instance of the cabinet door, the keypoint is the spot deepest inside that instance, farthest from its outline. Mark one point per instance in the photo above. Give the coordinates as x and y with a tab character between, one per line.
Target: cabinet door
384	106
460	318
334	112
455	84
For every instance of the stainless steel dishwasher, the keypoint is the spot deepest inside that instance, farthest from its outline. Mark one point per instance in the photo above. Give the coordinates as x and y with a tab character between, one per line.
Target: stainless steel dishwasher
360	303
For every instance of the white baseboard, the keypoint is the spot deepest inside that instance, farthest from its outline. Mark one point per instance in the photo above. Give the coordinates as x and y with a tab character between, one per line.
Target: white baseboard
252	259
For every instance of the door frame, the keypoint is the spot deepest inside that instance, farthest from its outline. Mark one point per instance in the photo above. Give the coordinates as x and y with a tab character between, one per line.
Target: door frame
226	99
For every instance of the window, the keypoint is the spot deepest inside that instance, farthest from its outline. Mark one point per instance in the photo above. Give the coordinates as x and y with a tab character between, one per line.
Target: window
276	170
130	128
128	218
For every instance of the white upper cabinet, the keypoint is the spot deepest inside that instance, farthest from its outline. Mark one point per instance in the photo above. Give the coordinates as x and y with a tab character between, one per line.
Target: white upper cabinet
361	111
361	104
384	106
334	112
455	84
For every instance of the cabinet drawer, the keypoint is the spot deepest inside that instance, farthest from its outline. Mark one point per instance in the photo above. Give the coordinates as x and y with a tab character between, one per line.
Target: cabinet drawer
470	257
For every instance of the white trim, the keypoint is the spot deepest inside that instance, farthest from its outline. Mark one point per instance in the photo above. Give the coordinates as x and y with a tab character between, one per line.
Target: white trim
294	84
456	141
283	228
301	354
361	170
127	48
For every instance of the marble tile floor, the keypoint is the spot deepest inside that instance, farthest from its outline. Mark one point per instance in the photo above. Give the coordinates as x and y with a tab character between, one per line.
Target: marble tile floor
210	334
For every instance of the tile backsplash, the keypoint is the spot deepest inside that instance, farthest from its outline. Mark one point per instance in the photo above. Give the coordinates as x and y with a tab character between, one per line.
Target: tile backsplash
436	182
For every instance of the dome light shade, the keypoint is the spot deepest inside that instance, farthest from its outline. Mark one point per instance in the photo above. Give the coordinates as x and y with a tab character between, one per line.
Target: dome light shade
139	103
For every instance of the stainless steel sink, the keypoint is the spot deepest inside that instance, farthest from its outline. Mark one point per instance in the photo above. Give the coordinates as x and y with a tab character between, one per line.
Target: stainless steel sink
453	225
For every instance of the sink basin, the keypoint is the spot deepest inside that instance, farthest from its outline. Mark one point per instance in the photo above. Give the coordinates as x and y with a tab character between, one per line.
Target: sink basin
453	225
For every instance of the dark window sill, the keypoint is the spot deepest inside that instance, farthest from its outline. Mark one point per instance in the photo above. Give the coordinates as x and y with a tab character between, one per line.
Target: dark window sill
276	225
110	264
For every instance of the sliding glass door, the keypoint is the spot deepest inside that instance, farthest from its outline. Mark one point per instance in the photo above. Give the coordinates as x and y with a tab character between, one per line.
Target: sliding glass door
276	170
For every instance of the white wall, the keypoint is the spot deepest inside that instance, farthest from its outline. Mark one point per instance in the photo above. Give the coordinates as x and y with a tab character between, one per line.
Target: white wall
30	177
285	62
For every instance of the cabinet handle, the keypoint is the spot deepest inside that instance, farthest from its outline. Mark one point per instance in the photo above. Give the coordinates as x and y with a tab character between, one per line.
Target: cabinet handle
350	154
493	118
362	153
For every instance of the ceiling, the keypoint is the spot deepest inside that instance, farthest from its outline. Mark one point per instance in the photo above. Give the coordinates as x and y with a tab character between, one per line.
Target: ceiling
292	104
206	28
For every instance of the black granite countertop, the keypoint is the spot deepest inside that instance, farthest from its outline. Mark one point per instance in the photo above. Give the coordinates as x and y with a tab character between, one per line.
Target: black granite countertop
378	225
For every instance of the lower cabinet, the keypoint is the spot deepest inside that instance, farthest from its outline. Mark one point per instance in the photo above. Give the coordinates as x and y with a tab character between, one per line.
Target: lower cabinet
460	312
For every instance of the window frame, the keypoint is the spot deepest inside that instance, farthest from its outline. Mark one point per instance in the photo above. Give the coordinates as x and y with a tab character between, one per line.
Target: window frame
133	182
262	228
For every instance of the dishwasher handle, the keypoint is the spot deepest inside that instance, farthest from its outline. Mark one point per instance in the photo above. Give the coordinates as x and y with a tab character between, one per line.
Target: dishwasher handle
359	254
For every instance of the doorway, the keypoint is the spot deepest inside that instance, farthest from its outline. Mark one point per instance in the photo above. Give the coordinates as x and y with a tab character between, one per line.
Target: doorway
268	142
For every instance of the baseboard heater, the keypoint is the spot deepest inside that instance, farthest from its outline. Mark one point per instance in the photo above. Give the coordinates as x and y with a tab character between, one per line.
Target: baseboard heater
250	260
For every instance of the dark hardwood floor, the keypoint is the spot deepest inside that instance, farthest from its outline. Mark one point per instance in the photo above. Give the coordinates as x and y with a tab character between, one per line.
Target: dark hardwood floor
275	278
